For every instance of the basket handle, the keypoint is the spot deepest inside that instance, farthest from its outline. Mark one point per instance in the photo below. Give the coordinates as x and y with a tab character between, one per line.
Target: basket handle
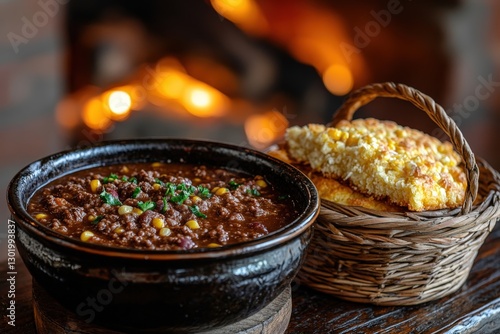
368	93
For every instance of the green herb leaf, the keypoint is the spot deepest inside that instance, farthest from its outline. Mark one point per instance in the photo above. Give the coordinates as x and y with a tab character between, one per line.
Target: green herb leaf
145	206
204	192
165	205
253	192
170	189
180	198
136	192
233	185
181	186
133	180
196	211
125	178
110	178
109	199
184	187
160	182
97	220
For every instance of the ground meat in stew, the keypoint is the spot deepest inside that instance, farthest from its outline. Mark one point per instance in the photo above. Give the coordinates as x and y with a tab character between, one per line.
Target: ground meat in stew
162	206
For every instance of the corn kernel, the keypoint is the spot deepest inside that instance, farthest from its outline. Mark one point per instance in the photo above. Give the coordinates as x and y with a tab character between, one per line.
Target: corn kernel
214	189
334	133
86	235
124	209
156	164
137	211
345	136
221	191
261	183
197	180
156	186
119	230
352	141
124	169
158	222
391	144
91	218
193	224
213	245
94	185
195	199
165	232
41	216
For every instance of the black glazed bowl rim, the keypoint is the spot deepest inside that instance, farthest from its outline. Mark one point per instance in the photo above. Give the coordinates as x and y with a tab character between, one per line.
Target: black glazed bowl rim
19	212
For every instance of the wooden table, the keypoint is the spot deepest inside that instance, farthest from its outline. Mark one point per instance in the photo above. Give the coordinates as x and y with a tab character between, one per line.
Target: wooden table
475	308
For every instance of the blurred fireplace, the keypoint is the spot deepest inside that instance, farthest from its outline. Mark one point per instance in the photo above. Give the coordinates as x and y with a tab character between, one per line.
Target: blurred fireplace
241	71
181	69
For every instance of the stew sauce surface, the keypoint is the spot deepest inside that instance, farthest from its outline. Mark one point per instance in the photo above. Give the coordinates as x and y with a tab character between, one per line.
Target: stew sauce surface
162	206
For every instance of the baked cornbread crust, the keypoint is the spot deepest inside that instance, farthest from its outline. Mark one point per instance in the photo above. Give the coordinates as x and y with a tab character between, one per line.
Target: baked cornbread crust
332	190
384	160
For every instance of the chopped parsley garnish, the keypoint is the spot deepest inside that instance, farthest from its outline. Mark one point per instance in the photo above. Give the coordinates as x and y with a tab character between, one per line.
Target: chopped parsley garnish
145	206
170	189
196	211
165	205
180	198
184	187
97	220
233	185
160	182
253	192
110	178
178	193
109	199
181	186
132	180
136	192
204	192
125	178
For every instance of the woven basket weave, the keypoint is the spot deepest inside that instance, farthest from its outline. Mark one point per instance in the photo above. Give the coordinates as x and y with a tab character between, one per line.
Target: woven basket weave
402	258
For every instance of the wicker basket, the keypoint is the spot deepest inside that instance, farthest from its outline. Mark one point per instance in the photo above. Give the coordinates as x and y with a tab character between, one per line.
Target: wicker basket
402	258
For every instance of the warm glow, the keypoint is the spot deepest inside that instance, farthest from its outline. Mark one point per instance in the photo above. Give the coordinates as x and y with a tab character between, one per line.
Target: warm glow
119	103
68	113
200	98
265	129
167	64
338	79
172	88
204	101
171	83
94	115
244	13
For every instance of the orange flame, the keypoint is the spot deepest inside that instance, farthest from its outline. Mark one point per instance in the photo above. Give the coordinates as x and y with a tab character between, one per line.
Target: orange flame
265	129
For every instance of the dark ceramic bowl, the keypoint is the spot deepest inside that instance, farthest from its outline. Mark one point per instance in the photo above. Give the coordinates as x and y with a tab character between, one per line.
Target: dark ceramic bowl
148	291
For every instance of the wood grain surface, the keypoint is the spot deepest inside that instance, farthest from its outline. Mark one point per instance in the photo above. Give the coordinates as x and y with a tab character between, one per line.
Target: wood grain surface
474	308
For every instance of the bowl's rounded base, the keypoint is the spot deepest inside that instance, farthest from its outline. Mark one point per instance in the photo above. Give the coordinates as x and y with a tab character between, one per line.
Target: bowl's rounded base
53	318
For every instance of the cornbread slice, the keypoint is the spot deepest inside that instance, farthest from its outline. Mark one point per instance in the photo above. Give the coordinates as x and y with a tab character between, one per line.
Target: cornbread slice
384	160
332	190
